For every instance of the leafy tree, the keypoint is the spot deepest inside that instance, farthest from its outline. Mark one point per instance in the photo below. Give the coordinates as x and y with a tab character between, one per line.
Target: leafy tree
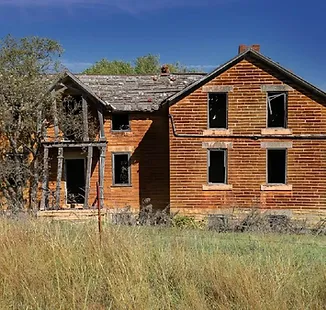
105	66
24	102
148	64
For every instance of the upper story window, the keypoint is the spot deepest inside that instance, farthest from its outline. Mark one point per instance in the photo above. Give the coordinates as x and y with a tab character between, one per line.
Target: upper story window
217	166
120	122
277	109
217	110
71	118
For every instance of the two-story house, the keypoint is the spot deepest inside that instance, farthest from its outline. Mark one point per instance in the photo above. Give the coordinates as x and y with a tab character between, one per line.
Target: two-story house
249	134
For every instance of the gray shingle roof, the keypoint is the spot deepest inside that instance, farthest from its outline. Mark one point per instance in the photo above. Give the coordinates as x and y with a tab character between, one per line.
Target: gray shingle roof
137	92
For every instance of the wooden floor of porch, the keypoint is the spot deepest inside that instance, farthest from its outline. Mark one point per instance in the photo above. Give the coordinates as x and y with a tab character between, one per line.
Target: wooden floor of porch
70	214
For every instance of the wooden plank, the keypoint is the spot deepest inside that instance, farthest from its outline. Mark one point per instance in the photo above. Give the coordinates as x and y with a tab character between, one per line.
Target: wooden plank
73	144
101	175
85	119
55	116
101	122
45	191
59	177
88	174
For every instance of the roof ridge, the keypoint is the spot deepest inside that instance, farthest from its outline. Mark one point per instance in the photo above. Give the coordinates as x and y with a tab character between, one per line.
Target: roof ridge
150	75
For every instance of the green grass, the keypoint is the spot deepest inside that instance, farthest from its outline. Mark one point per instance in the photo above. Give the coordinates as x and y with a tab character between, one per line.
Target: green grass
63	266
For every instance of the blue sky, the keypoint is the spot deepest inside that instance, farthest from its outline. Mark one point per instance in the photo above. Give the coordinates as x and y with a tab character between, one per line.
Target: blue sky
204	33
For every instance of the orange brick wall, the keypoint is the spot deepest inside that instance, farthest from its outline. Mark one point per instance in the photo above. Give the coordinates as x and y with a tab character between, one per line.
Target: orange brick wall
148	143
149	146
306	169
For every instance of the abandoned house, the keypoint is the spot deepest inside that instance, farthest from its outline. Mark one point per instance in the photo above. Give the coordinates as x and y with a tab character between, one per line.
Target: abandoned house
249	134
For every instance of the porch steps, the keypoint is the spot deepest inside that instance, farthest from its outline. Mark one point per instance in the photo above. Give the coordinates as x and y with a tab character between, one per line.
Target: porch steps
70	214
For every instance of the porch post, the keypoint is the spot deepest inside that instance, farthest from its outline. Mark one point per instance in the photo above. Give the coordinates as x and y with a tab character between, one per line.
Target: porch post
85	119
45	192
88	174
101	175
59	177
55	116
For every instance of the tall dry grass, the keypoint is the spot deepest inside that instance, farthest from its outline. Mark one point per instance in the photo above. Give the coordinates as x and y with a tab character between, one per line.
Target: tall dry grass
62	266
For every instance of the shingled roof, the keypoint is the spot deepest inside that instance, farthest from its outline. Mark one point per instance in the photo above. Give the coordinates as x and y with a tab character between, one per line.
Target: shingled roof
137	92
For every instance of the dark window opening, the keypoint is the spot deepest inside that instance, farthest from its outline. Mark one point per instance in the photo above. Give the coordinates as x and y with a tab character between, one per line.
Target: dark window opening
120	121
217	166
217	110
73	112
277	109
276	162
75	180
73	104
121	169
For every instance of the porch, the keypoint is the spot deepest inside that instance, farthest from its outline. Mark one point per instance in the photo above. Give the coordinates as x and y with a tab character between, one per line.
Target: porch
71	172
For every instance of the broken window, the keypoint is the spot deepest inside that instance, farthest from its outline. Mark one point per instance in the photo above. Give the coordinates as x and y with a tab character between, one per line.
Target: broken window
71	119
120	121
217	163
121	169
277	109
276	166
217	110
73	104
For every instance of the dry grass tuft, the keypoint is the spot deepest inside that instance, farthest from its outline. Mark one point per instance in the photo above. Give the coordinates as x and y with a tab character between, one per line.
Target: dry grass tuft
63	266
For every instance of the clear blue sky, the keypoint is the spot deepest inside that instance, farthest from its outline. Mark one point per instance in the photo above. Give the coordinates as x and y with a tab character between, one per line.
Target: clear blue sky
203	33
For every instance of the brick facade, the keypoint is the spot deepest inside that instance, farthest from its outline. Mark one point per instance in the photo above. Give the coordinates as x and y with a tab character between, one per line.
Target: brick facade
246	168
148	144
169	153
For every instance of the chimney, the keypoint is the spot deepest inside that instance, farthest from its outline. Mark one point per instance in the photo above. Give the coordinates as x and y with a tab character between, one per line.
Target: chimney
242	48
165	70
254	47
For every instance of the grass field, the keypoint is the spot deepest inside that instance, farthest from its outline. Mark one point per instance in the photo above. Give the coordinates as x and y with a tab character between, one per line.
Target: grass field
63	266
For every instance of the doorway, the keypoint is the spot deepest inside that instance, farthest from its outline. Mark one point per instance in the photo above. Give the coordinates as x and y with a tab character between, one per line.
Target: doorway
75	180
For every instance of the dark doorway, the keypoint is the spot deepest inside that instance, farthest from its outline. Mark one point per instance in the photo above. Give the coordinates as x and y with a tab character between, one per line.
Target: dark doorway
75	180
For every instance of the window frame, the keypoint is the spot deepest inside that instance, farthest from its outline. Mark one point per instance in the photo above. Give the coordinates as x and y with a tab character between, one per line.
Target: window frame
226	110
286	164
113	169
225	150
120	130
285	112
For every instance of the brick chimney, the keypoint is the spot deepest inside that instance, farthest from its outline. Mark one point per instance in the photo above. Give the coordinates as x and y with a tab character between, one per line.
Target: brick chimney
165	70
243	48
255	47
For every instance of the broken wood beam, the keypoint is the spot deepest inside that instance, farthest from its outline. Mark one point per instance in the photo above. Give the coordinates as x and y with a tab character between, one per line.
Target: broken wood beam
88	175
59	177
101	122
45	190
85	119
74	144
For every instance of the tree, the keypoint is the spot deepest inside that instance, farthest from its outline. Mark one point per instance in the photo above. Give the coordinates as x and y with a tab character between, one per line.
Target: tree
148	64
25	103
105	66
